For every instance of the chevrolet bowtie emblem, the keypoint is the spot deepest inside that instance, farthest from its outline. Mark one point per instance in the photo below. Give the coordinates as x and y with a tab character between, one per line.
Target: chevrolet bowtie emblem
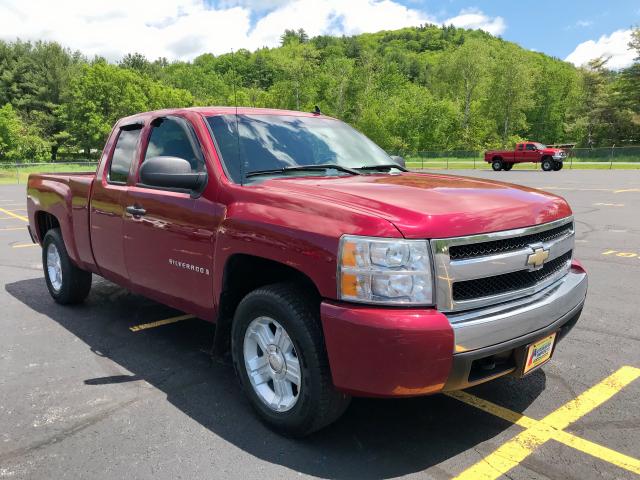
537	258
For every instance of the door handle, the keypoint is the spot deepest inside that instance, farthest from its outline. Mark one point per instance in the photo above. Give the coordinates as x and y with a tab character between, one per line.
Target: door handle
135	211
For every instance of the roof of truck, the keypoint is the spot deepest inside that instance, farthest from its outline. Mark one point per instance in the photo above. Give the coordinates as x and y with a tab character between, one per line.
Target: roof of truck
210	111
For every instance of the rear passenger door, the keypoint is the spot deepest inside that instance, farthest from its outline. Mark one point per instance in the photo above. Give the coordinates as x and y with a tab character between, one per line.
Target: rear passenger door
519	154
107	204
169	243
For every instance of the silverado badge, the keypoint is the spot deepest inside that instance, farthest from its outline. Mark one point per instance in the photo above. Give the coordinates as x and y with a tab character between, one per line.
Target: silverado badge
536	259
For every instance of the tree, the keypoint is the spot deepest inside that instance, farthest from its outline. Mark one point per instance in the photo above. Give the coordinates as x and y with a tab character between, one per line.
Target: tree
464	73
295	36
19	141
510	91
34	80
103	93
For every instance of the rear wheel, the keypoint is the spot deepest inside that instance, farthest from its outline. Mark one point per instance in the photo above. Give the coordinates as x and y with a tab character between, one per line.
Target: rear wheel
557	166
497	164
507	166
547	164
67	283
280	359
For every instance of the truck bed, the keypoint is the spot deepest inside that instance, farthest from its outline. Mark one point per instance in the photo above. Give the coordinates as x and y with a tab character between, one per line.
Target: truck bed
66	197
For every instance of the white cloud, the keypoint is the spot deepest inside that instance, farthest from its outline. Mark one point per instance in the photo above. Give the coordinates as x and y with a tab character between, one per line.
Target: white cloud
615	46
183	29
584	23
473	18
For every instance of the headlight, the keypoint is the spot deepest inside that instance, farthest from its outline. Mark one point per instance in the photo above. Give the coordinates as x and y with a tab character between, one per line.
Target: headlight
389	271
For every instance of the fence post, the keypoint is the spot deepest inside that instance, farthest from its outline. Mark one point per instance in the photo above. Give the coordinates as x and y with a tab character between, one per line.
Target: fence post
611	158
422	161
17	173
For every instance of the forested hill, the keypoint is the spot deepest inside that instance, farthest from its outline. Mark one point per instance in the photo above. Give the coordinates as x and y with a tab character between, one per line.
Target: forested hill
425	88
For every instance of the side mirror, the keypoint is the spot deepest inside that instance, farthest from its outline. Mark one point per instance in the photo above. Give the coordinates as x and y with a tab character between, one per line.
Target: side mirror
171	172
399	160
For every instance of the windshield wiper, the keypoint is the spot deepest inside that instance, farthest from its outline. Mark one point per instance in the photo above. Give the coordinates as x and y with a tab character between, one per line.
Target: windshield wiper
383	167
324	166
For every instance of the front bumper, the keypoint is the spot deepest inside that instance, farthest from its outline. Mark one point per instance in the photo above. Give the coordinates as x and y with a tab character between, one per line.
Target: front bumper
393	352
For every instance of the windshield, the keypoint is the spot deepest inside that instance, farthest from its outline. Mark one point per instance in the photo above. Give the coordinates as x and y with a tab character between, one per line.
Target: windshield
540	146
270	142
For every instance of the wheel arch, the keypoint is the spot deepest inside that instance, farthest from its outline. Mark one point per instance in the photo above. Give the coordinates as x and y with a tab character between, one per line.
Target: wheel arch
45	221
242	273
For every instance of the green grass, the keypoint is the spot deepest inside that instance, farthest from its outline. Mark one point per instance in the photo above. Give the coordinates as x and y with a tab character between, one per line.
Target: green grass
19	175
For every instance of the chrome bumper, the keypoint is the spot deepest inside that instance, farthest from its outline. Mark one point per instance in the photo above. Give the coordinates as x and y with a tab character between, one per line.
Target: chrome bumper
485	327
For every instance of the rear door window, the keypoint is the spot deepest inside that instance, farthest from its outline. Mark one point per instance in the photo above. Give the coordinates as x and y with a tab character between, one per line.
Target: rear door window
531	146
123	155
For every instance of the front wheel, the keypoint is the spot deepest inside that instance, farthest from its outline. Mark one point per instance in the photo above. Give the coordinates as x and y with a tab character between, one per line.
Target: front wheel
497	165
67	283
547	165
557	166
280	359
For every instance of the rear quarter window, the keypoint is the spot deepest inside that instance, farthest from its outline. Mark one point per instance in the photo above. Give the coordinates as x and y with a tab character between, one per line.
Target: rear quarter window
123	155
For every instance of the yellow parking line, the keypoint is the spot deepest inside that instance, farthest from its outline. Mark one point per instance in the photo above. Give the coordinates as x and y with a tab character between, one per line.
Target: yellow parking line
14	215
11	229
25	245
627	190
513	452
592	398
159	323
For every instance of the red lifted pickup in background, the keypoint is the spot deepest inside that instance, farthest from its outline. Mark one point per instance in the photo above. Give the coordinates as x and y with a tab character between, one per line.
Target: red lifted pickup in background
549	158
329	270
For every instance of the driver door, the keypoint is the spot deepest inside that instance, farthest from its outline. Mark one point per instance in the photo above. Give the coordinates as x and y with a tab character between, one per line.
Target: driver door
169	235
531	153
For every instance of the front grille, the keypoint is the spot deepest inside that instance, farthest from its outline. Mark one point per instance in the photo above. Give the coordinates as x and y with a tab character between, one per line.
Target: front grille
471	250
508	282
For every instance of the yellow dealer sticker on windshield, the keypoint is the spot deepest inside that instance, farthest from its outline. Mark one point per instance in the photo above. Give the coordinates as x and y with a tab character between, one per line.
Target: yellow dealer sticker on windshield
539	352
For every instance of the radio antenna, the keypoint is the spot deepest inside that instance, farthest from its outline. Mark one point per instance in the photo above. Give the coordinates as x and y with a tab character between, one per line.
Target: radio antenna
235	101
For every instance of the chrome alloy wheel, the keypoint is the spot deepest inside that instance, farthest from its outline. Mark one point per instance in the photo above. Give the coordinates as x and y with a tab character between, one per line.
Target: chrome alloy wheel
272	364
54	268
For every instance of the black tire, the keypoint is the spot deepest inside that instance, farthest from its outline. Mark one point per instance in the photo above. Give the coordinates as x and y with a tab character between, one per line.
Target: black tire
318	402
75	283
507	166
557	166
497	165
547	164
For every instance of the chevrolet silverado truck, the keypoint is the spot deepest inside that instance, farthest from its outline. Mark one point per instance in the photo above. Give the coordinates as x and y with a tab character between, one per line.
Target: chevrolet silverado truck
526	152
328	270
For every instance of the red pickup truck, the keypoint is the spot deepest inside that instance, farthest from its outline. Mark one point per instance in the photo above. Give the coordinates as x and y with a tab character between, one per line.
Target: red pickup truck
329	270
549	158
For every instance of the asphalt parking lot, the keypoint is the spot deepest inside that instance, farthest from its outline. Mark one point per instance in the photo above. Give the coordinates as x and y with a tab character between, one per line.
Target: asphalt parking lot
108	390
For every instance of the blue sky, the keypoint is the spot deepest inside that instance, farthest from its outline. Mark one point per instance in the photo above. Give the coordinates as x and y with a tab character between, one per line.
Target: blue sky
553	27
575	31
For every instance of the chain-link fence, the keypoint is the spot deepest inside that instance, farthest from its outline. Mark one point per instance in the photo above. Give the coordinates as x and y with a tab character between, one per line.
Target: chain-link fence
596	158
11	173
577	158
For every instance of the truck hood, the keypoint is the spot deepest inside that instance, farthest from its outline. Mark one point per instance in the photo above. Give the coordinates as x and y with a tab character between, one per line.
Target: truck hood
431	205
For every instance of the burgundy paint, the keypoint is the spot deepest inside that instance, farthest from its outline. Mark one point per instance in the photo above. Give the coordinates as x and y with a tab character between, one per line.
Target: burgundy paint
386	352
